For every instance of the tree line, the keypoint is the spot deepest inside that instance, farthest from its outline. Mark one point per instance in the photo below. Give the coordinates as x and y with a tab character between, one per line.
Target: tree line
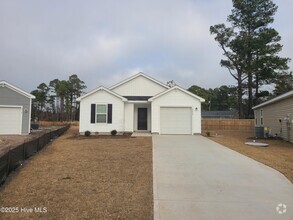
56	101
251	50
224	98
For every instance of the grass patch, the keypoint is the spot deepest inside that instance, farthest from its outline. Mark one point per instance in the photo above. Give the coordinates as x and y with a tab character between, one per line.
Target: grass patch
89	178
278	155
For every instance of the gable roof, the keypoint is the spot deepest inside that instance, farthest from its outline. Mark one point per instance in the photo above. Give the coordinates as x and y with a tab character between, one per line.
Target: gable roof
278	98
98	89
14	88
179	88
135	76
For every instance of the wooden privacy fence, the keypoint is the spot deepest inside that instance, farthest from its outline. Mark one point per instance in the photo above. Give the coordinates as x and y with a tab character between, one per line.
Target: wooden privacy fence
227	124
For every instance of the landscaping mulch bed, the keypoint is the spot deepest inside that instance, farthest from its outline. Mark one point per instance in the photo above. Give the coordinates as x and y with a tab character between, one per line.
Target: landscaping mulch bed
278	155
86	178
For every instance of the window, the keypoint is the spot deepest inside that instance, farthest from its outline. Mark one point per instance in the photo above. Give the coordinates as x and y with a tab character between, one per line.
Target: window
255	116
261	117
101	113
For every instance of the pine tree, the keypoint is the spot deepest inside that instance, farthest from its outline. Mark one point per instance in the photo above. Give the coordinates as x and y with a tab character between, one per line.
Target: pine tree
251	48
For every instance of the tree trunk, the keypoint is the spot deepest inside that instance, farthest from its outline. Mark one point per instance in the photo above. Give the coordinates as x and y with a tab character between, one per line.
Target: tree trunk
250	96
256	89
239	97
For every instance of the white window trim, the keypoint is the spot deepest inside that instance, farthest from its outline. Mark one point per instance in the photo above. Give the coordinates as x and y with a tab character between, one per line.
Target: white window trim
261	117
101	113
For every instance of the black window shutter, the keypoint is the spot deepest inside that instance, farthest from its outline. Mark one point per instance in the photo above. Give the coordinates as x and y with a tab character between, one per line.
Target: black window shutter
109	114
93	113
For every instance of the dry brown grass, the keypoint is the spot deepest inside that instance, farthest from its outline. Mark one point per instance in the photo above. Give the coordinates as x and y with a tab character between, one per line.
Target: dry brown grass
278	155
106	178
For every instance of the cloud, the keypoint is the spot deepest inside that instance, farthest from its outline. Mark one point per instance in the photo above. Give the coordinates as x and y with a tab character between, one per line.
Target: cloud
105	41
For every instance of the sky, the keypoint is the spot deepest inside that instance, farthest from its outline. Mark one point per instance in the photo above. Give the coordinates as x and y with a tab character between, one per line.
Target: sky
104	42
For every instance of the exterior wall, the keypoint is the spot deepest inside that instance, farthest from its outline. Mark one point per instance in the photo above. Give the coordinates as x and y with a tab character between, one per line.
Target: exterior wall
136	106
139	86
10	97
129	109
176	98
101	97
272	113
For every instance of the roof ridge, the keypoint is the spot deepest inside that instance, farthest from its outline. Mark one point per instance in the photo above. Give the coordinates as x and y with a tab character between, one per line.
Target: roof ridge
16	89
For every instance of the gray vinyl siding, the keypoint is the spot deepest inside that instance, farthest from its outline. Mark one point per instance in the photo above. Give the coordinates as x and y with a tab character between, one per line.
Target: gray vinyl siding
10	97
272	113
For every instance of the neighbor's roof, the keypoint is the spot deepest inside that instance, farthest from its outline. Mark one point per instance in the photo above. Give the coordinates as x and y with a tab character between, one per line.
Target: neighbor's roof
218	113
137	75
277	99
179	88
101	88
14	88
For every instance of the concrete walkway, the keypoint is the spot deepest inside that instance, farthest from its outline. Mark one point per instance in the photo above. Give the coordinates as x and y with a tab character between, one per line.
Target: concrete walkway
195	178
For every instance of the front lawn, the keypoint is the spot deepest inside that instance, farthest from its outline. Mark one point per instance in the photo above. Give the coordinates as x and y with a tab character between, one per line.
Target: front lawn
278	155
80	178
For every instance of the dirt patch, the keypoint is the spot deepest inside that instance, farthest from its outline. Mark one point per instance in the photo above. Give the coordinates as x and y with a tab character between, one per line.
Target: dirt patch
84	179
82	137
278	155
11	141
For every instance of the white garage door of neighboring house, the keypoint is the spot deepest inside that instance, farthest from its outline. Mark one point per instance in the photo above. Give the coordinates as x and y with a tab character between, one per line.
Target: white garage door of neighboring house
10	120
175	120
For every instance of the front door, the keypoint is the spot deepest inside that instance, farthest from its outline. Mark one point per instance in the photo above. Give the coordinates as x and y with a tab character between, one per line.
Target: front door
142	119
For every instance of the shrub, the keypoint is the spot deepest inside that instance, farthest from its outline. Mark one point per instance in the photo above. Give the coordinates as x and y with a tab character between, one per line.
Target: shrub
87	133
113	132
208	133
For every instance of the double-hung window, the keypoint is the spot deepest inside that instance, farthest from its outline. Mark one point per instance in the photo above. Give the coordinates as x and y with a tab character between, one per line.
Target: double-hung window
261	117
255	116
101	113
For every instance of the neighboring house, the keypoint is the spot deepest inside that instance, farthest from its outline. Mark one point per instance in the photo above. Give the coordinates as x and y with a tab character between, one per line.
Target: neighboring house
277	115
219	114
140	103
15	110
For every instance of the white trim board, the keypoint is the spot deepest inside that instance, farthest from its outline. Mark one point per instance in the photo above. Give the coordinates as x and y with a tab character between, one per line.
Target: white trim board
98	89
14	88
135	76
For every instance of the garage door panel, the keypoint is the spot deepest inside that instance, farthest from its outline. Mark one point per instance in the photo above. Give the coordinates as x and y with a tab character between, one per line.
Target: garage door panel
175	120
10	120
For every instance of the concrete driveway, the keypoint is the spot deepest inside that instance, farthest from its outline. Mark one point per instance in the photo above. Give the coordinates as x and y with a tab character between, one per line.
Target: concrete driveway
195	178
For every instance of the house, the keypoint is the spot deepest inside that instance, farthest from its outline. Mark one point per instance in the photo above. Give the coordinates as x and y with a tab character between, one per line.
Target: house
15	110
276	116
140	103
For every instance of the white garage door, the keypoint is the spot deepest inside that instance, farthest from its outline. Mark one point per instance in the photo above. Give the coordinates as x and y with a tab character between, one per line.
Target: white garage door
10	120
175	120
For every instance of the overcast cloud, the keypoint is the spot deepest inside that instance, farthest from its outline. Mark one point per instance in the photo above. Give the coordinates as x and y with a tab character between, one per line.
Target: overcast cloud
104	42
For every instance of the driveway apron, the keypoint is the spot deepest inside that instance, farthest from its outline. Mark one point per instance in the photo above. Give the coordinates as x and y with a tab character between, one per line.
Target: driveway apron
196	178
